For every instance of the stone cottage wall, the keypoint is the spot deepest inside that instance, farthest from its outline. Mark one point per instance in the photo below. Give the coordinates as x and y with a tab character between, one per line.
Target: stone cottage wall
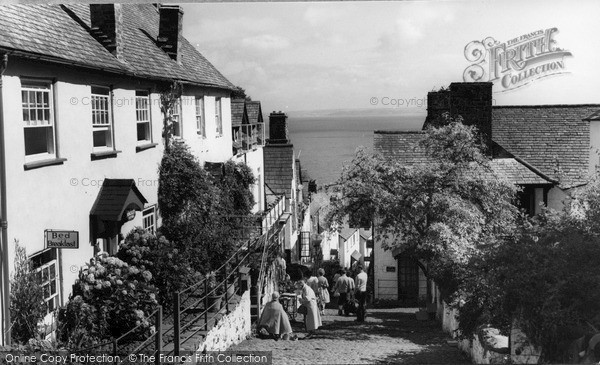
231	329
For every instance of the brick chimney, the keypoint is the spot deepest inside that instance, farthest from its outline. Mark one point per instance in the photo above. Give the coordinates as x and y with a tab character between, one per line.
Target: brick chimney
107	27
278	131
471	100
169	30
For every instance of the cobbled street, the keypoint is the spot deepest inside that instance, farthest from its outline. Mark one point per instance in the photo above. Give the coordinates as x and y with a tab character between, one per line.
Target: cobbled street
389	336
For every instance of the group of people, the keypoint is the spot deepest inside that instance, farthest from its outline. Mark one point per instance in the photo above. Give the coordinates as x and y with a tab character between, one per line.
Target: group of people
314	294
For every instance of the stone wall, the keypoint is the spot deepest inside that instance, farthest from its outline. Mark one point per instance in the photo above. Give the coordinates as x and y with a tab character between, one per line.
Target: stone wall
487	347
231	329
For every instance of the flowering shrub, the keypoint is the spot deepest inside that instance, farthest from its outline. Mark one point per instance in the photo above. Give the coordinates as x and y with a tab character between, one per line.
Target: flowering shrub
109	298
169	267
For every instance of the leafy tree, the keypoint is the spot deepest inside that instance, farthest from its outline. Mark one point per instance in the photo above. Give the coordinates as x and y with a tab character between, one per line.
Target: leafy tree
202	213
546	277
168	99
440	212
27	307
240	93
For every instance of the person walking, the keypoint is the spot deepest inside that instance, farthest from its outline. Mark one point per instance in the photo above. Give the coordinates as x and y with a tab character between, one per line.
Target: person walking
361	293
312	318
323	291
344	285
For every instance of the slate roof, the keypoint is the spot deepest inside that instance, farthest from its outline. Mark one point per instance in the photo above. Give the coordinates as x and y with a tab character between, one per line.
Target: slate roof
516	172
60	33
346	233
404	146
401	144
279	167
254	111
365	233
238	113
555	139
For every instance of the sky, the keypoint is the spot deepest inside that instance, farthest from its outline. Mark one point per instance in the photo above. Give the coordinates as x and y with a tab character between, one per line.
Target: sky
386	55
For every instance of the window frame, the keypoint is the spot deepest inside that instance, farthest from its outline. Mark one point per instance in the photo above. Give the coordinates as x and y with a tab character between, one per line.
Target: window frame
200	118
46	85
148	121
177	111
56	297
147	213
108	127
219	116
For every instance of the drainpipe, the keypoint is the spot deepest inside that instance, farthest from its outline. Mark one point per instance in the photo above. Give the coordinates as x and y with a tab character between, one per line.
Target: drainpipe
5	285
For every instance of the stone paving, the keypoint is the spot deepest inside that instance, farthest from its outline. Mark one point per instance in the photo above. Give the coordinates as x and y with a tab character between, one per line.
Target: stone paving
389	336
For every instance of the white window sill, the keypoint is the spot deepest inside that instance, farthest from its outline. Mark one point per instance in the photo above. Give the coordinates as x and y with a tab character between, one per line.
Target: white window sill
30	165
145	146
102	154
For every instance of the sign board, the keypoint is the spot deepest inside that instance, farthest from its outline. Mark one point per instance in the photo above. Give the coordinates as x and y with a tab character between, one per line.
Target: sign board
61	239
390	269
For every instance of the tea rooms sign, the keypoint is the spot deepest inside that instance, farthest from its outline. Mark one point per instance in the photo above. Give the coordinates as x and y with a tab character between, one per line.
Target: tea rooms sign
516	62
62	239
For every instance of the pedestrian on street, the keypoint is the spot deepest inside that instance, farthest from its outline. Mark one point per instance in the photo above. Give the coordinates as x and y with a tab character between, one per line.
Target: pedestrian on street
323	291
274	321
361	293
344	286
308	298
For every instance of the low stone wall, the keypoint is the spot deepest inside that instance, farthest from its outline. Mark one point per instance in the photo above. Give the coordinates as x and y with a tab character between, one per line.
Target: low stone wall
487	347
232	329
521	350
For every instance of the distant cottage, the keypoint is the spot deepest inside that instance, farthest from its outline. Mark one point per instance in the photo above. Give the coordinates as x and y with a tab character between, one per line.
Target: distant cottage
547	150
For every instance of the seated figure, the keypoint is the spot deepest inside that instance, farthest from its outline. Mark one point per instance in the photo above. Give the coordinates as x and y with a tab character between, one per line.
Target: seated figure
274	321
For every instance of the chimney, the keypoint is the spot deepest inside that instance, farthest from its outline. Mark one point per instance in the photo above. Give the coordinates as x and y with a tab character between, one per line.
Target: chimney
473	101
107	27
470	100
278	131
169	30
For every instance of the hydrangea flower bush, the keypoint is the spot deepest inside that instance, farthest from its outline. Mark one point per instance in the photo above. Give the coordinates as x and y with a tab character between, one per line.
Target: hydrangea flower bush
109	298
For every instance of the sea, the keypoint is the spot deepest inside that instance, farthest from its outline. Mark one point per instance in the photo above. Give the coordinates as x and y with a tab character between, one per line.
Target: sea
325	143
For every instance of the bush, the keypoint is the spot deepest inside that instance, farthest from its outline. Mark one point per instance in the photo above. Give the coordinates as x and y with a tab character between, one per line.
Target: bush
109	298
27	307
201	213
169	266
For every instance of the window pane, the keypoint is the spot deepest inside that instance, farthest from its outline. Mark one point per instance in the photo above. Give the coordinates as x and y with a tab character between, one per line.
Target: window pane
52	271
38	140
143	132
100	138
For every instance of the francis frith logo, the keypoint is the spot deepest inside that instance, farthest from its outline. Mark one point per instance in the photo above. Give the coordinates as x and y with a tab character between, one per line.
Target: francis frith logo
516	62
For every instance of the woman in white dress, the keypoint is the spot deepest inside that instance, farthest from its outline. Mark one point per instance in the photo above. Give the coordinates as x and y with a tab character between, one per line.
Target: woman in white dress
308	298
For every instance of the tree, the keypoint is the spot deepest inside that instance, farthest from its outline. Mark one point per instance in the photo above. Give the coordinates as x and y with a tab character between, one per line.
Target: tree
441	212
168	100
240	93
202	213
546	277
27	307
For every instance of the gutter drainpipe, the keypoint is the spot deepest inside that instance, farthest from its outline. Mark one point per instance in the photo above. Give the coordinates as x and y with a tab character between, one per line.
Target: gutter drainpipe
5	284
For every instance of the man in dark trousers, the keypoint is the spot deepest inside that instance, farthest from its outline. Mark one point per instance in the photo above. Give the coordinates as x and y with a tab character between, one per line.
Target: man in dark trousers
361	293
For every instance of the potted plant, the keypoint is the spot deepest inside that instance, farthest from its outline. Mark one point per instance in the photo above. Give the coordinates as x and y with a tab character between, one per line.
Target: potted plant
215	292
